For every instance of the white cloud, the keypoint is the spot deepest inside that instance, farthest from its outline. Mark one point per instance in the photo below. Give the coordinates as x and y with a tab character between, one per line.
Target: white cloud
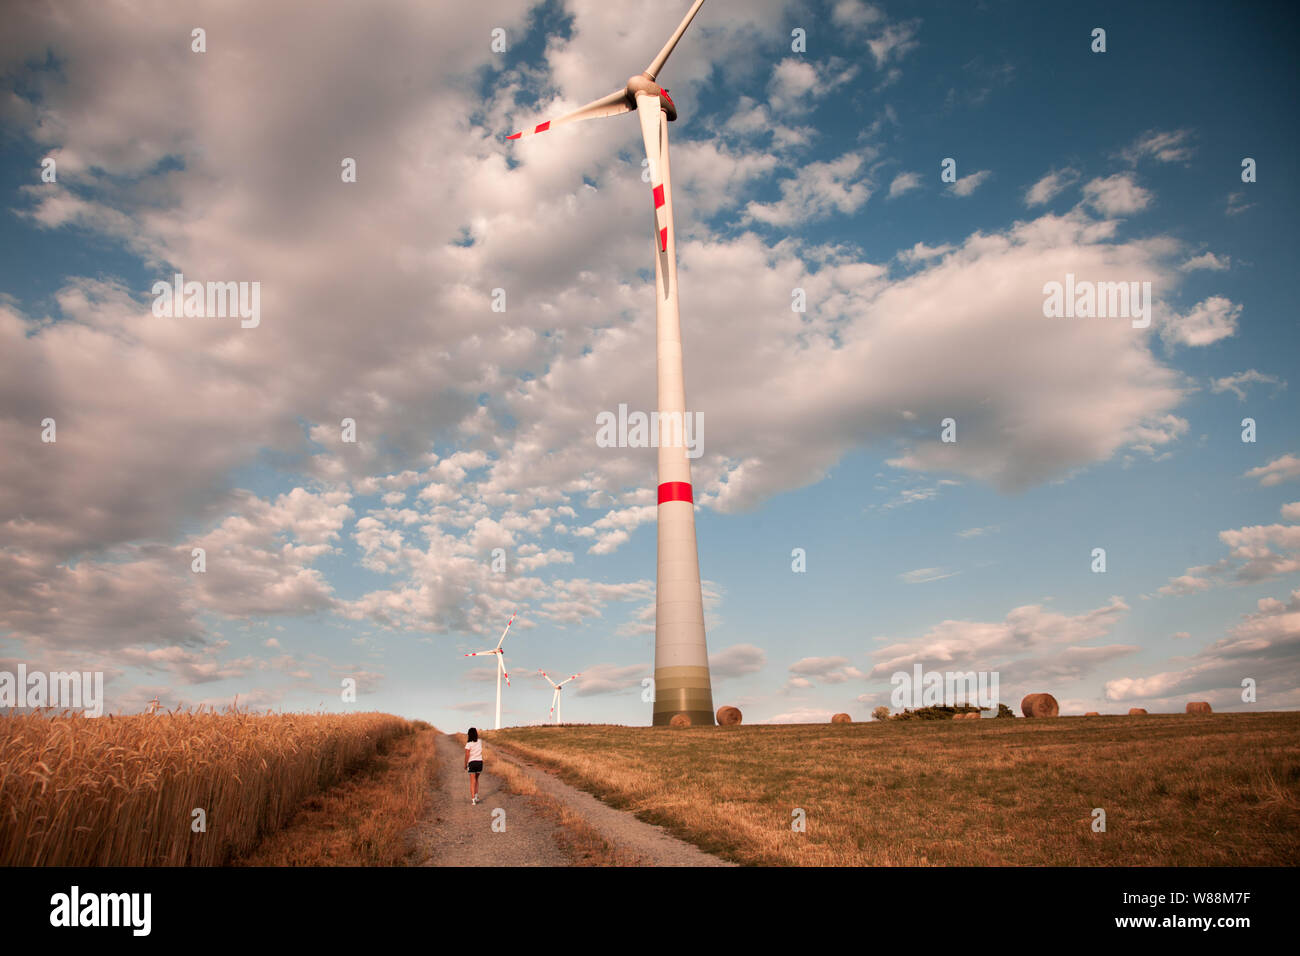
797	83
1206	260
925	575
1208	322
1241	381
1050	186
1164	147
1031	646
1117	195
818	190
1285	468
903	183
968	184
1266	642
738	660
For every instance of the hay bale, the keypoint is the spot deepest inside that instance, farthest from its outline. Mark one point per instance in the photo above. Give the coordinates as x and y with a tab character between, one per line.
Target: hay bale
1040	705
1199	707
1136	711
680	720
841	719
1092	713
973	715
729	716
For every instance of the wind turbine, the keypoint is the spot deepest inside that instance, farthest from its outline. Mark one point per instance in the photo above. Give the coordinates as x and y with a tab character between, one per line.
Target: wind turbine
501	665
555	701
681	656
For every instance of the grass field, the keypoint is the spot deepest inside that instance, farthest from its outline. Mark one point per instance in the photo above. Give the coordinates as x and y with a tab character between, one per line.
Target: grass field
1177	790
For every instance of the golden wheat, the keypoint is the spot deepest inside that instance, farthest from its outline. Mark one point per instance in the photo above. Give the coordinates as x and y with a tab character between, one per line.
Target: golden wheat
122	791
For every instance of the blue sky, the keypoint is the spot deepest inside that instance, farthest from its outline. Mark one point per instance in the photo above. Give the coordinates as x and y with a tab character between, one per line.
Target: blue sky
817	170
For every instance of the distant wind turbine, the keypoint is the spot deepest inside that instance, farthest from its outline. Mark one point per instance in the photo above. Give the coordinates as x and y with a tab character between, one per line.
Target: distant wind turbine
682	682
556	699
501	665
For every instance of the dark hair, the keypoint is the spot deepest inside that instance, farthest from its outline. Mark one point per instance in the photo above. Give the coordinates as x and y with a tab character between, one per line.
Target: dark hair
472	735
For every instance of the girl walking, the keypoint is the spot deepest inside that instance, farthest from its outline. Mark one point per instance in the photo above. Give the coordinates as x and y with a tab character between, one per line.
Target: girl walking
473	762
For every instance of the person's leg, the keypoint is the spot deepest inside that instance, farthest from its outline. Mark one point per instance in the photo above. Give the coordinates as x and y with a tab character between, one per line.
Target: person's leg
473	785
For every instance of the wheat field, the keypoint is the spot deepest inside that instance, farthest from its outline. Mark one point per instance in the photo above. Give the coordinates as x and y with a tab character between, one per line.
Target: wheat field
124	791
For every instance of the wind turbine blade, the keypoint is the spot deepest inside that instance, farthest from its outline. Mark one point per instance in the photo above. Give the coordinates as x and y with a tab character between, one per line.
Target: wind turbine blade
479	653
647	108
658	62
501	662
548	677
507	630
610	105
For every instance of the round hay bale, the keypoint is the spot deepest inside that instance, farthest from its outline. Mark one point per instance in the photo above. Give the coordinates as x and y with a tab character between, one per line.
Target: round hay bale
1040	705
1199	707
729	716
680	720
841	719
1136	711
1092	713
973	715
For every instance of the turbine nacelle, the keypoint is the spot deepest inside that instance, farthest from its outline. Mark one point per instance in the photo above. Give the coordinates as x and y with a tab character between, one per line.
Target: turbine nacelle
642	83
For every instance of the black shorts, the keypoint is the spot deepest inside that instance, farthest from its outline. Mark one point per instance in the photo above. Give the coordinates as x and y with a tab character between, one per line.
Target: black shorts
475	766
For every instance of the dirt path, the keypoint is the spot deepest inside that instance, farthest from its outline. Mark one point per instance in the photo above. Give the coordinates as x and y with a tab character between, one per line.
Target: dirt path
457	833
654	844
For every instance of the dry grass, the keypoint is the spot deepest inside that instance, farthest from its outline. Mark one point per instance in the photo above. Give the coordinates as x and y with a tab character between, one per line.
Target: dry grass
1177	790
121	791
366	818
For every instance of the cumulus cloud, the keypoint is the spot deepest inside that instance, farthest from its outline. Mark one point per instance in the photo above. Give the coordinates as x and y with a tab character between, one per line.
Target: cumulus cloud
1284	468
969	183
612	679
1031	645
818	190
1208	261
1050	186
1117	195
1255	553
904	182
158	417
1207	322
738	660
810	671
1264	646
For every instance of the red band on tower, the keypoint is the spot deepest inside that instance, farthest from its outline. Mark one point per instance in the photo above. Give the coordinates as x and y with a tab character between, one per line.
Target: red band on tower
676	491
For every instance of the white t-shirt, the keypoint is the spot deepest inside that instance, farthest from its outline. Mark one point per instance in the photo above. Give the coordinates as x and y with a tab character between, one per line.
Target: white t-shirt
475	748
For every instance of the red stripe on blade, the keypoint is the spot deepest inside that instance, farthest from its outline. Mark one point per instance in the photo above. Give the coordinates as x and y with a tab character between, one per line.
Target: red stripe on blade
659	195
663	239
543	127
676	491
514	136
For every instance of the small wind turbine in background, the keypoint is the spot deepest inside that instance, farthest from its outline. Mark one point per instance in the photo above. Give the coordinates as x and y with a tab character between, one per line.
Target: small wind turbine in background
682	682
501	665
555	701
